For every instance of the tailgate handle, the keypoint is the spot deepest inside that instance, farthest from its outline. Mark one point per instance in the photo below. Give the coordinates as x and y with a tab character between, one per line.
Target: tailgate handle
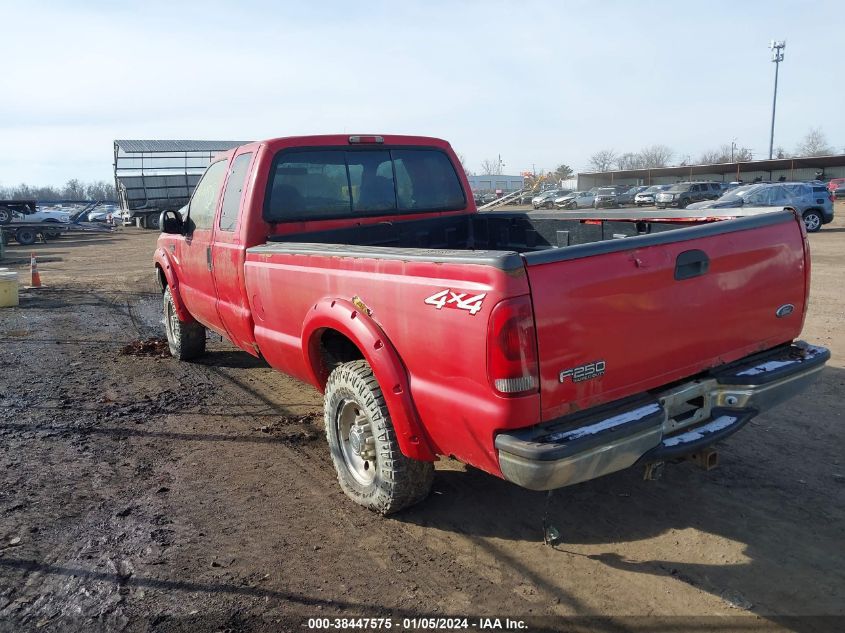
691	264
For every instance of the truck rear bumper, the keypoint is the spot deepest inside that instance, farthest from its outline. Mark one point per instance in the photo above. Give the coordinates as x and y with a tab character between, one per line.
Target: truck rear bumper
677	421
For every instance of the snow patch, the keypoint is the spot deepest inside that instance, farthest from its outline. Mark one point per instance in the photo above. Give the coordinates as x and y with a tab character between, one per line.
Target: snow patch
609	423
722	422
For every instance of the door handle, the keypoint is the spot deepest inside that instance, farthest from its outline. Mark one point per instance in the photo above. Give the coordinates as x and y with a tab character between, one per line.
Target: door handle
208	257
691	264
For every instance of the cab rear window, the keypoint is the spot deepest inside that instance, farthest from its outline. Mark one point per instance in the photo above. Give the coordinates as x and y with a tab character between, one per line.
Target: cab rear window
332	183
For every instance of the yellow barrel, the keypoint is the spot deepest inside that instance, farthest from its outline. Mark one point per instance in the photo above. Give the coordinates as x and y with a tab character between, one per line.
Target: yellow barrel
8	288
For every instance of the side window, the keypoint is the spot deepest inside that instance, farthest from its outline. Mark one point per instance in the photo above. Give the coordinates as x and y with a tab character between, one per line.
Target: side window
234	189
204	200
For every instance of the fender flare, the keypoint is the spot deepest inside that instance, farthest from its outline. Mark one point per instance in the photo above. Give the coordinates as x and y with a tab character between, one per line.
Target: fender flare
162	262
341	315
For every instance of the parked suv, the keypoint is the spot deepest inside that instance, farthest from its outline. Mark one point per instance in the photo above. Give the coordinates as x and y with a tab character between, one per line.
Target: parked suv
628	196
606	197
684	193
811	199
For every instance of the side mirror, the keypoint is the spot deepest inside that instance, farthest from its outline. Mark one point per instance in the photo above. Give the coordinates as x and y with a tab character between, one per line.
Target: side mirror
171	222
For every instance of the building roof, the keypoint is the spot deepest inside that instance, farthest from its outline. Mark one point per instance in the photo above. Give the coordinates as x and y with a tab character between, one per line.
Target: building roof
835	160
137	146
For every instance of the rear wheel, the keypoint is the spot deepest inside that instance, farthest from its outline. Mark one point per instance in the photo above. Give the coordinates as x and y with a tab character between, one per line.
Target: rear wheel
153	221
26	236
812	221
371	468
186	340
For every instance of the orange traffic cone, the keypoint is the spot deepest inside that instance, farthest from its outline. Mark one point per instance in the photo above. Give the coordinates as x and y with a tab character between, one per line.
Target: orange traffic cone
33	271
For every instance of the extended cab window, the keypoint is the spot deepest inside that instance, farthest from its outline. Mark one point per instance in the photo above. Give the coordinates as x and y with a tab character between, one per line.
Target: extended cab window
234	189
333	183
204	201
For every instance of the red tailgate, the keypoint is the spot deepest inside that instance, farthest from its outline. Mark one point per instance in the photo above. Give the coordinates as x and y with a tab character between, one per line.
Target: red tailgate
613	320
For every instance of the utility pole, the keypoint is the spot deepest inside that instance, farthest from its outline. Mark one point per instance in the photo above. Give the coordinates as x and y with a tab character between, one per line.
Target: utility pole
733	147
776	47
501	164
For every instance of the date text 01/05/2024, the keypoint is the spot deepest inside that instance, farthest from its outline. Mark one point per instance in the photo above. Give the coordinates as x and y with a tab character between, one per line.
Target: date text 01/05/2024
410	624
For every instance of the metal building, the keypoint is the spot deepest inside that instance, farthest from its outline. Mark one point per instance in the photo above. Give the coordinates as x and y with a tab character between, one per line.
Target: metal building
490	183
803	168
152	176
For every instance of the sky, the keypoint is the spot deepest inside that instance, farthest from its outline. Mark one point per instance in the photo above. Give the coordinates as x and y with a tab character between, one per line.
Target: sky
539	83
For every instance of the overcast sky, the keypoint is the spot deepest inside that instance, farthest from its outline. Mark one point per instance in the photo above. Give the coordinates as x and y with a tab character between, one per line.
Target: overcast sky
540	83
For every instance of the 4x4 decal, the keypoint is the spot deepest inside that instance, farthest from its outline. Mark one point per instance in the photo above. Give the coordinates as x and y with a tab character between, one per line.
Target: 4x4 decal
460	301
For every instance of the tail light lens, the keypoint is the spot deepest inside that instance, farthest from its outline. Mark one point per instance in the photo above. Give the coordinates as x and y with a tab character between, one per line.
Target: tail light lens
512	348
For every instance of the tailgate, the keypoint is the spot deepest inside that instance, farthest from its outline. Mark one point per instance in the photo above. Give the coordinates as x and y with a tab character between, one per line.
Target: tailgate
619	317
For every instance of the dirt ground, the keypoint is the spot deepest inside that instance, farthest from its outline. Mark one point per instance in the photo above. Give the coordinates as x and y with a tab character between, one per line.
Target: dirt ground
139	493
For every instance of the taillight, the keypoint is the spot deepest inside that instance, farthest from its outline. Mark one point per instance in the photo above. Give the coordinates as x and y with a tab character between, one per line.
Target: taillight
512	348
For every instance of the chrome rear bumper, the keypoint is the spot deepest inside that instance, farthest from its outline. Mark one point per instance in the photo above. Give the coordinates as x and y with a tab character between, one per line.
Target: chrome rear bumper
658	425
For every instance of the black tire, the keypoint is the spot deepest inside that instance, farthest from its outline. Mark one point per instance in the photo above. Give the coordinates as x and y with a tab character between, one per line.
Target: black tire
813	221
5	215
153	221
572	206
26	236
371	469
186	340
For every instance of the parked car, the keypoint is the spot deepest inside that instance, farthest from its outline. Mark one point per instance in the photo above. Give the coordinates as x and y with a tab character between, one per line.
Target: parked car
605	197
812	200
836	186
646	196
303	272
576	200
546	199
684	193
628	196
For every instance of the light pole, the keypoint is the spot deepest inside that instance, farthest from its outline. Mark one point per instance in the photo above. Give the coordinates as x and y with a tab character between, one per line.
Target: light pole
501	164
733	147
777	57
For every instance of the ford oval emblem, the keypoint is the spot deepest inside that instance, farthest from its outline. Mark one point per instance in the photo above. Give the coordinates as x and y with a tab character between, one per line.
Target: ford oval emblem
785	310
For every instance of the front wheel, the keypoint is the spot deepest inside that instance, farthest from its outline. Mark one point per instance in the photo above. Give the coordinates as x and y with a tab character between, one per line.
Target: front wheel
186	340
813	221
371	469
5	215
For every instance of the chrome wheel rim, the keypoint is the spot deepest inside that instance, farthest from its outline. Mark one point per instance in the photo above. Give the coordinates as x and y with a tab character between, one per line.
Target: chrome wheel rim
812	222
357	444
172	320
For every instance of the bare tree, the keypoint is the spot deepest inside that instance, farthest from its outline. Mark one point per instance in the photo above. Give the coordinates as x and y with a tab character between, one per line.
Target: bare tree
73	190
463	162
814	144
603	160
656	156
780	152
491	167
629	160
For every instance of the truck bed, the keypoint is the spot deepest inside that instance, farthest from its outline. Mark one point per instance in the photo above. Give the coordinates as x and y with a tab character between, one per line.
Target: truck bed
498	239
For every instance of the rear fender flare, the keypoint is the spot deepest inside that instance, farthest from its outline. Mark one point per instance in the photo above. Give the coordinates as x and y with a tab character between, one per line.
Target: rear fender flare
163	263
341	315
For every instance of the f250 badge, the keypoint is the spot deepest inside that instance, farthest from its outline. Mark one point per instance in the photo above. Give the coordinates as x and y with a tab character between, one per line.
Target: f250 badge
458	300
584	372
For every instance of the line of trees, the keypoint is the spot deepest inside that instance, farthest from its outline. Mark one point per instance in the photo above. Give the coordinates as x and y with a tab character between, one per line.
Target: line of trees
73	189
815	143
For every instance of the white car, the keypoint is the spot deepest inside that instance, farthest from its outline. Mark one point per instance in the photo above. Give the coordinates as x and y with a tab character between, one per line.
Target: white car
43	214
576	200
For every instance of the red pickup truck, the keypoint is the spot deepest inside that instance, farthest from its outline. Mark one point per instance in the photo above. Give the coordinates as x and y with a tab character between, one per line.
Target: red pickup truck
544	350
